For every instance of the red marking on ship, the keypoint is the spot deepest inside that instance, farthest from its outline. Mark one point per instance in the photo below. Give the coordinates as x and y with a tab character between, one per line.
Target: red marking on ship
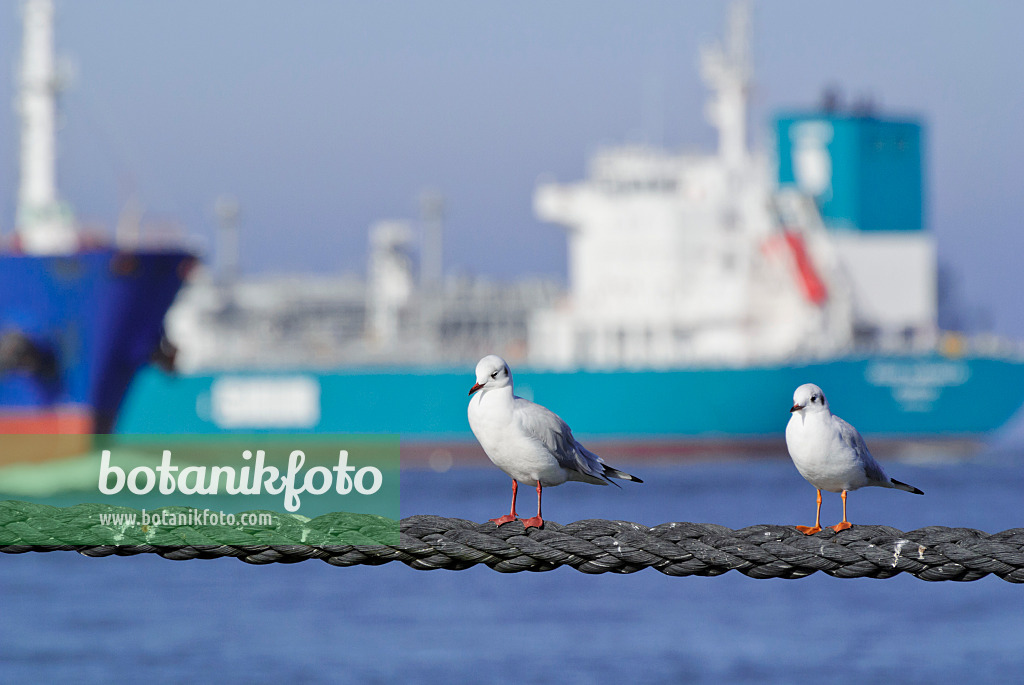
811	284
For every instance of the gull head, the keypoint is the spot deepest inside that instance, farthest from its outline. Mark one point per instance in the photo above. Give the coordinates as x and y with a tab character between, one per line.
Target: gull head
491	373
810	399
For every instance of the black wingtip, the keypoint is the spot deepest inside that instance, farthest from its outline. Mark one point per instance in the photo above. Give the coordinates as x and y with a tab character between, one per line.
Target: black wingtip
610	473
903	486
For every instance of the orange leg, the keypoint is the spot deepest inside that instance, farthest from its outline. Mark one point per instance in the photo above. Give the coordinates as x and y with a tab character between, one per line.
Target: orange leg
509	517
536	521
811	530
844	524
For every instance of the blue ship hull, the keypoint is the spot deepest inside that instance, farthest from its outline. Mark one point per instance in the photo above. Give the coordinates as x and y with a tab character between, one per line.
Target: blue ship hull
900	397
75	329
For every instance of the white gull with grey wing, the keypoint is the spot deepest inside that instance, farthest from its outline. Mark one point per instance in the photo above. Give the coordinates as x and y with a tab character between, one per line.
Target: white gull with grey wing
830	453
527	441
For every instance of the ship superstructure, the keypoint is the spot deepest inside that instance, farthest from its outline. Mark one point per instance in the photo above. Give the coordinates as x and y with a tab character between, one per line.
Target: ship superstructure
737	257
326	321
395	316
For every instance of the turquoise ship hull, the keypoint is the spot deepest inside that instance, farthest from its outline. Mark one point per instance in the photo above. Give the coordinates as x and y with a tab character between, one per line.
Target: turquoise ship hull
900	397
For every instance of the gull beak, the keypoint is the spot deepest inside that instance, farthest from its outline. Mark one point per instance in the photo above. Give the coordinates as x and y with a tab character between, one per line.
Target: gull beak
475	388
797	407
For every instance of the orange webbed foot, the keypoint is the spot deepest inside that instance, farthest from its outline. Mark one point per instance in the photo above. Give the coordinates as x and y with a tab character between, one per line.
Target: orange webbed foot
535	522
507	518
844	525
809	530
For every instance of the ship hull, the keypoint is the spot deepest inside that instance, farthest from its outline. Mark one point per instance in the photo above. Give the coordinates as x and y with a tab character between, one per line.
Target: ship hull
921	398
75	329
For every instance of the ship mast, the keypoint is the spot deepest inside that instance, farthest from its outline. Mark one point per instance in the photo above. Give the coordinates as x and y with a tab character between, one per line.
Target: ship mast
44	223
727	70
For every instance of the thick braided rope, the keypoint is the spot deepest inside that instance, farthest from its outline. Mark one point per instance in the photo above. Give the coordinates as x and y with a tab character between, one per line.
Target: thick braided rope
591	546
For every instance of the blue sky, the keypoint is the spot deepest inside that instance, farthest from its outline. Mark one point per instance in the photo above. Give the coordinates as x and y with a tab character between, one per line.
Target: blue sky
323	116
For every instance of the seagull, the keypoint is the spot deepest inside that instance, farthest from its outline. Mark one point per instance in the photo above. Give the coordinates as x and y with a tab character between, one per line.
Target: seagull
527	441
830	453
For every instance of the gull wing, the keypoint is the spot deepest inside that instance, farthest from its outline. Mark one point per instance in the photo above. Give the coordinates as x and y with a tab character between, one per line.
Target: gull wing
851	437
554	434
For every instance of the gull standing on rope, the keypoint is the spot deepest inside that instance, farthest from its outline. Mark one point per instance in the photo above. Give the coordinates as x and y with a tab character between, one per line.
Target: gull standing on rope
527	441
830	453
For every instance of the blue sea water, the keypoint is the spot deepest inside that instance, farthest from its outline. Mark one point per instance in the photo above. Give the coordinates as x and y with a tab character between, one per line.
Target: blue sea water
145	619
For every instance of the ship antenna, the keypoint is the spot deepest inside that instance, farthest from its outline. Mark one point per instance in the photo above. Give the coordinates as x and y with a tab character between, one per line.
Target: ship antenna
44	224
727	70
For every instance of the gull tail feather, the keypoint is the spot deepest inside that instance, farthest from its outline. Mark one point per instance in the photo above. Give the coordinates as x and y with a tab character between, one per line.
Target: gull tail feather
903	486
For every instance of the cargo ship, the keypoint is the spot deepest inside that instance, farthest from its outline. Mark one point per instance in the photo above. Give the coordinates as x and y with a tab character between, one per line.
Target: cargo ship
702	290
79	316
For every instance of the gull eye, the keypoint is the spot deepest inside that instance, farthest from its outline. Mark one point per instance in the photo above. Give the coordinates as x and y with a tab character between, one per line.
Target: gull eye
494	375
